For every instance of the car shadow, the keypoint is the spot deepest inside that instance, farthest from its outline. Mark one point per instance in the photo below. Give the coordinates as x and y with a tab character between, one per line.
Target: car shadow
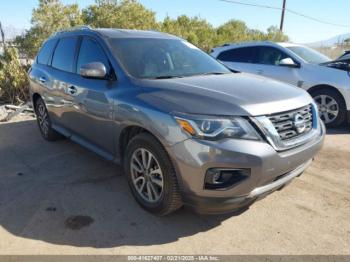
63	194
341	130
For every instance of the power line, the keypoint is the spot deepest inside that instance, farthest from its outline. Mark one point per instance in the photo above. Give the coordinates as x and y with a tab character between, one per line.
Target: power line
286	9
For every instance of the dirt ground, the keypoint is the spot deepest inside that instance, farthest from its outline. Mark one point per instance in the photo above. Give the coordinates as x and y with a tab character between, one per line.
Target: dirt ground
58	198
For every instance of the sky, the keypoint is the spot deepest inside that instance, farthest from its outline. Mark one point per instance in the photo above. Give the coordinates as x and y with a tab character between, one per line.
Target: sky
17	13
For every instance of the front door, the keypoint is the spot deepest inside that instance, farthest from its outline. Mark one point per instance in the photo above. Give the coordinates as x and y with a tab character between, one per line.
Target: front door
91	115
267	64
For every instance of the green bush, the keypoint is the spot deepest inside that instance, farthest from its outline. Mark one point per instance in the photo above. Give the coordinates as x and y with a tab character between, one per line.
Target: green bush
13	78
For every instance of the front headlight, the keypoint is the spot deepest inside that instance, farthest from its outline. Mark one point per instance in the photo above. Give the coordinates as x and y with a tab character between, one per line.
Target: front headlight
214	128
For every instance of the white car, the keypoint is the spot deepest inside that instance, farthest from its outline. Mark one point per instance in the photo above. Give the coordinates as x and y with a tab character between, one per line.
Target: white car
327	81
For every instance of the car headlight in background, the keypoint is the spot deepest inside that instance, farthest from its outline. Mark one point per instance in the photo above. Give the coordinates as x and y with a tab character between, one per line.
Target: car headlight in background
213	127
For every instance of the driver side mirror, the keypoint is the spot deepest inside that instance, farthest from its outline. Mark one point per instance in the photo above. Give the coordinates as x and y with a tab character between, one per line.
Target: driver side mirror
288	62
93	70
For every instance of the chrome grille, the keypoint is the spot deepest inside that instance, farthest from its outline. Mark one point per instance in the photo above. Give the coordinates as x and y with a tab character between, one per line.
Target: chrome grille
285	124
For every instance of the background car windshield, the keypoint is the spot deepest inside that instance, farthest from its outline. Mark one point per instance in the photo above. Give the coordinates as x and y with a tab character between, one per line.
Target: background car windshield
309	55
157	58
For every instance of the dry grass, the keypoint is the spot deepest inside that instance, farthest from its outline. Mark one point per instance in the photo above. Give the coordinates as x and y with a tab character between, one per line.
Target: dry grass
332	52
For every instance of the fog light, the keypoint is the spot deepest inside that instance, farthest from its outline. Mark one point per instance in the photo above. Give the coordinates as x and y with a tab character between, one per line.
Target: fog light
219	178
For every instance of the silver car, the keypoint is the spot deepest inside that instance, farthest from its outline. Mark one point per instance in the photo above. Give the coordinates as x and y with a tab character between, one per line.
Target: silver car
185	128
327	81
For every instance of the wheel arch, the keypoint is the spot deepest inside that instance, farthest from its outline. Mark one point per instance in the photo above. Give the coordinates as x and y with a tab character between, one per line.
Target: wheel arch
133	130
325	86
35	98
127	134
346	116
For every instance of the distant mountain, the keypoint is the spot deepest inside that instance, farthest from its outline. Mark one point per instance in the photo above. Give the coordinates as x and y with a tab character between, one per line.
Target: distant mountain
331	41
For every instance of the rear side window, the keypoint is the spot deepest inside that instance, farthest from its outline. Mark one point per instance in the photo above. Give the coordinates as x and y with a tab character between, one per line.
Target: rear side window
64	55
46	51
240	55
91	51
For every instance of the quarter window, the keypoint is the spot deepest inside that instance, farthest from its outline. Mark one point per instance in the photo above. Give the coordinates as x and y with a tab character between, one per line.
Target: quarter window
64	55
46	51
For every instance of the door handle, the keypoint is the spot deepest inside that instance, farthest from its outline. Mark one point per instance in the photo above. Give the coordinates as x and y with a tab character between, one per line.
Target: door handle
72	90
42	79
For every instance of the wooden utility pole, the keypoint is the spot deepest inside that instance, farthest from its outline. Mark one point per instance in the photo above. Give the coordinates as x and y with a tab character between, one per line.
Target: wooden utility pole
282	15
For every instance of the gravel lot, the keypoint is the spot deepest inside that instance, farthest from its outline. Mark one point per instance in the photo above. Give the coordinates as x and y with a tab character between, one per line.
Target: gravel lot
58	198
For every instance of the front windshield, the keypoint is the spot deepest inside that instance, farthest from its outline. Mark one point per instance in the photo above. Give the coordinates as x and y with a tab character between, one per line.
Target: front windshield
163	58
309	55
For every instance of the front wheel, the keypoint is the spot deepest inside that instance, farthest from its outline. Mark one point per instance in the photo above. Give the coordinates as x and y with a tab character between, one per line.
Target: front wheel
151	176
331	107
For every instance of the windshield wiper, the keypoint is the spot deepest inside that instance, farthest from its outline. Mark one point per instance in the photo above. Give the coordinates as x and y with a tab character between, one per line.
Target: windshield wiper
180	76
214	73
166	77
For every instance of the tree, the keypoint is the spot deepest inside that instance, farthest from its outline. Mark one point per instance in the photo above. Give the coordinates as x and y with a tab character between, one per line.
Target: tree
195	30
275	35
237	31
119	14
231	32
50	16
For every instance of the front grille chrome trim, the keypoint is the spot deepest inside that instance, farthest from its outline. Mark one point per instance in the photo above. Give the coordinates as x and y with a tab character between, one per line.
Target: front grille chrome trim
285	139
284	122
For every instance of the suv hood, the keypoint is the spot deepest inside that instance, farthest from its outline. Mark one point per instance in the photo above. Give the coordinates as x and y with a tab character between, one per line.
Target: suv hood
230	94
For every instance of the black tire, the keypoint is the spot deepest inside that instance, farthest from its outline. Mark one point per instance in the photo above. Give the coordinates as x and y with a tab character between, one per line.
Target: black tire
341	117
47	132
170	198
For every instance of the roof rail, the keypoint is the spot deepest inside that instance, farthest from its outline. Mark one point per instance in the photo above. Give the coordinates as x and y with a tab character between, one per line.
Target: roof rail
74	28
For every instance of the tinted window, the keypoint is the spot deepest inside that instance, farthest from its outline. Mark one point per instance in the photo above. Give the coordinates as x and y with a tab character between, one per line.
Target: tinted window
269	55
91	51
240	55
46	51
63	57
159	58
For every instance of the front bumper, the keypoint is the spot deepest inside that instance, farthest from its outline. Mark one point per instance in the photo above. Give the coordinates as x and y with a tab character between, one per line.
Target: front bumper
193	158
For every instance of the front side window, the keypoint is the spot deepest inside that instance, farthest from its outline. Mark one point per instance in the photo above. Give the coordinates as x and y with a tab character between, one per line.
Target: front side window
63	58
238	55
91	51
269	55
158	58
46	51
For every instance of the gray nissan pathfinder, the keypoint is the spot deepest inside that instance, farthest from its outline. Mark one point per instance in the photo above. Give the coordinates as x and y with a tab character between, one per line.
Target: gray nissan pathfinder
185	128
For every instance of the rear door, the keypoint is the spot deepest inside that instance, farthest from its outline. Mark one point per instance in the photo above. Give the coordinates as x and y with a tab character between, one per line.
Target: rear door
40	75
62	71
240	59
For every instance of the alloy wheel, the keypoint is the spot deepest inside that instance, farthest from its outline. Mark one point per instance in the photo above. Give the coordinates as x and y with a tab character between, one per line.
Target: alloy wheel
43	118
328	108
146	174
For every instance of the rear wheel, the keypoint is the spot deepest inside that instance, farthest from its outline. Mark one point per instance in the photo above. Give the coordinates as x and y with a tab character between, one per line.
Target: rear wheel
331	106
44	122
151	176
